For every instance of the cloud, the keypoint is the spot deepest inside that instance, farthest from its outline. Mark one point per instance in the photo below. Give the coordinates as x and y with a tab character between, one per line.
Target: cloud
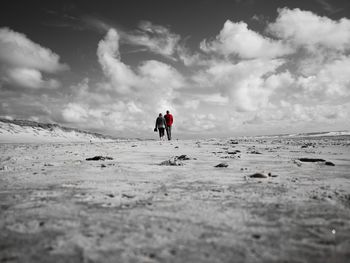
17	50
237	39
126	96
30	78
243	83
326	5
306	29
157	39
285	78
121	76
23	61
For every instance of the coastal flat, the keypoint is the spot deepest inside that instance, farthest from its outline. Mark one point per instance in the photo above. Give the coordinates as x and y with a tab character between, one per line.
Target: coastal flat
147	202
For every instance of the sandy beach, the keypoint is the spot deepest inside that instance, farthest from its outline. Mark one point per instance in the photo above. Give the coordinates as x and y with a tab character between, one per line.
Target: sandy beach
152	201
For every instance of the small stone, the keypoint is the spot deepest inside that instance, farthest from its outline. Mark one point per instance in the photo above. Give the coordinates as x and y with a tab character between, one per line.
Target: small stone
311	160
329	163
99	158
222	165
258	175
255	152
128	196
110	195
256	236
103	166
183	157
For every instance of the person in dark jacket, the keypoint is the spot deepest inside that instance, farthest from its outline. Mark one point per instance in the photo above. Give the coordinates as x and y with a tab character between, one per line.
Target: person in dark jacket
160	125
169	122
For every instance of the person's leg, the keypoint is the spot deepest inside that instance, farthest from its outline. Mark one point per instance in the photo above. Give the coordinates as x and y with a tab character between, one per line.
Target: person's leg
168	132
160	133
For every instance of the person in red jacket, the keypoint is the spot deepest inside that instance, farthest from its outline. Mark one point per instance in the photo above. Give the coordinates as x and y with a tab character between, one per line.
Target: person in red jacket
169	122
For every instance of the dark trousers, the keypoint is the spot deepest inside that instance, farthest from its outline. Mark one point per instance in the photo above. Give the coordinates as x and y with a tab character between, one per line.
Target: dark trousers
168	132
161	132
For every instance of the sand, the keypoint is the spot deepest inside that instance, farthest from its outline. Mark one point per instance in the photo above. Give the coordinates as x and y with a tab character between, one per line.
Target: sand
58	207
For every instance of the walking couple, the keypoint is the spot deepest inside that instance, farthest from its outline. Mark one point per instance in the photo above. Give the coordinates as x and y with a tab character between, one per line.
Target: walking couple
164	123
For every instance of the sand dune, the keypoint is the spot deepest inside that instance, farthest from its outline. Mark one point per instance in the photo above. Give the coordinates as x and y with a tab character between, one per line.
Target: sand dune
56	206
33	132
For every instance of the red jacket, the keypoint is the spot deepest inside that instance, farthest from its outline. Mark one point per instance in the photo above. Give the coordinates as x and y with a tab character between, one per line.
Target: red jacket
169	119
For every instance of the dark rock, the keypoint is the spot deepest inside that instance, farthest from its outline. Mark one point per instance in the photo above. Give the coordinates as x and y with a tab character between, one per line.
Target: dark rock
128	196
258	175
103	166
316	160
99	158
234	152
183	157
222	165
255	152
256	236
312	160
110	195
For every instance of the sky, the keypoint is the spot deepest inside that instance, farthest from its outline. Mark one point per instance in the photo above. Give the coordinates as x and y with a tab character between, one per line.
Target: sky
222	68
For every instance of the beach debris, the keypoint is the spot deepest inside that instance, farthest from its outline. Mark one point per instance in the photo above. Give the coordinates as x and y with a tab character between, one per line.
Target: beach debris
234	152
176	160
183	157
259	175
316	160
232	142
221	165
256	236
307	145
4	168
255	152
99	158
128	196
311	160
172	162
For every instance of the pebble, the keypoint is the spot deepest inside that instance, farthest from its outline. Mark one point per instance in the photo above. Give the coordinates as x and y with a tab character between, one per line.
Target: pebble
99	158
222	165
258	175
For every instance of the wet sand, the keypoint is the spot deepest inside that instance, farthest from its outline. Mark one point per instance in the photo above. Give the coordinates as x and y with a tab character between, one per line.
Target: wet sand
55	206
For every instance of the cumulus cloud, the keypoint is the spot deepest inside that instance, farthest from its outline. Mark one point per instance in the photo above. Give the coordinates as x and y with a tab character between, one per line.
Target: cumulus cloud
18	51
23	61
125	98
237	39
30	78
121	76
243	83
282	79
306	29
